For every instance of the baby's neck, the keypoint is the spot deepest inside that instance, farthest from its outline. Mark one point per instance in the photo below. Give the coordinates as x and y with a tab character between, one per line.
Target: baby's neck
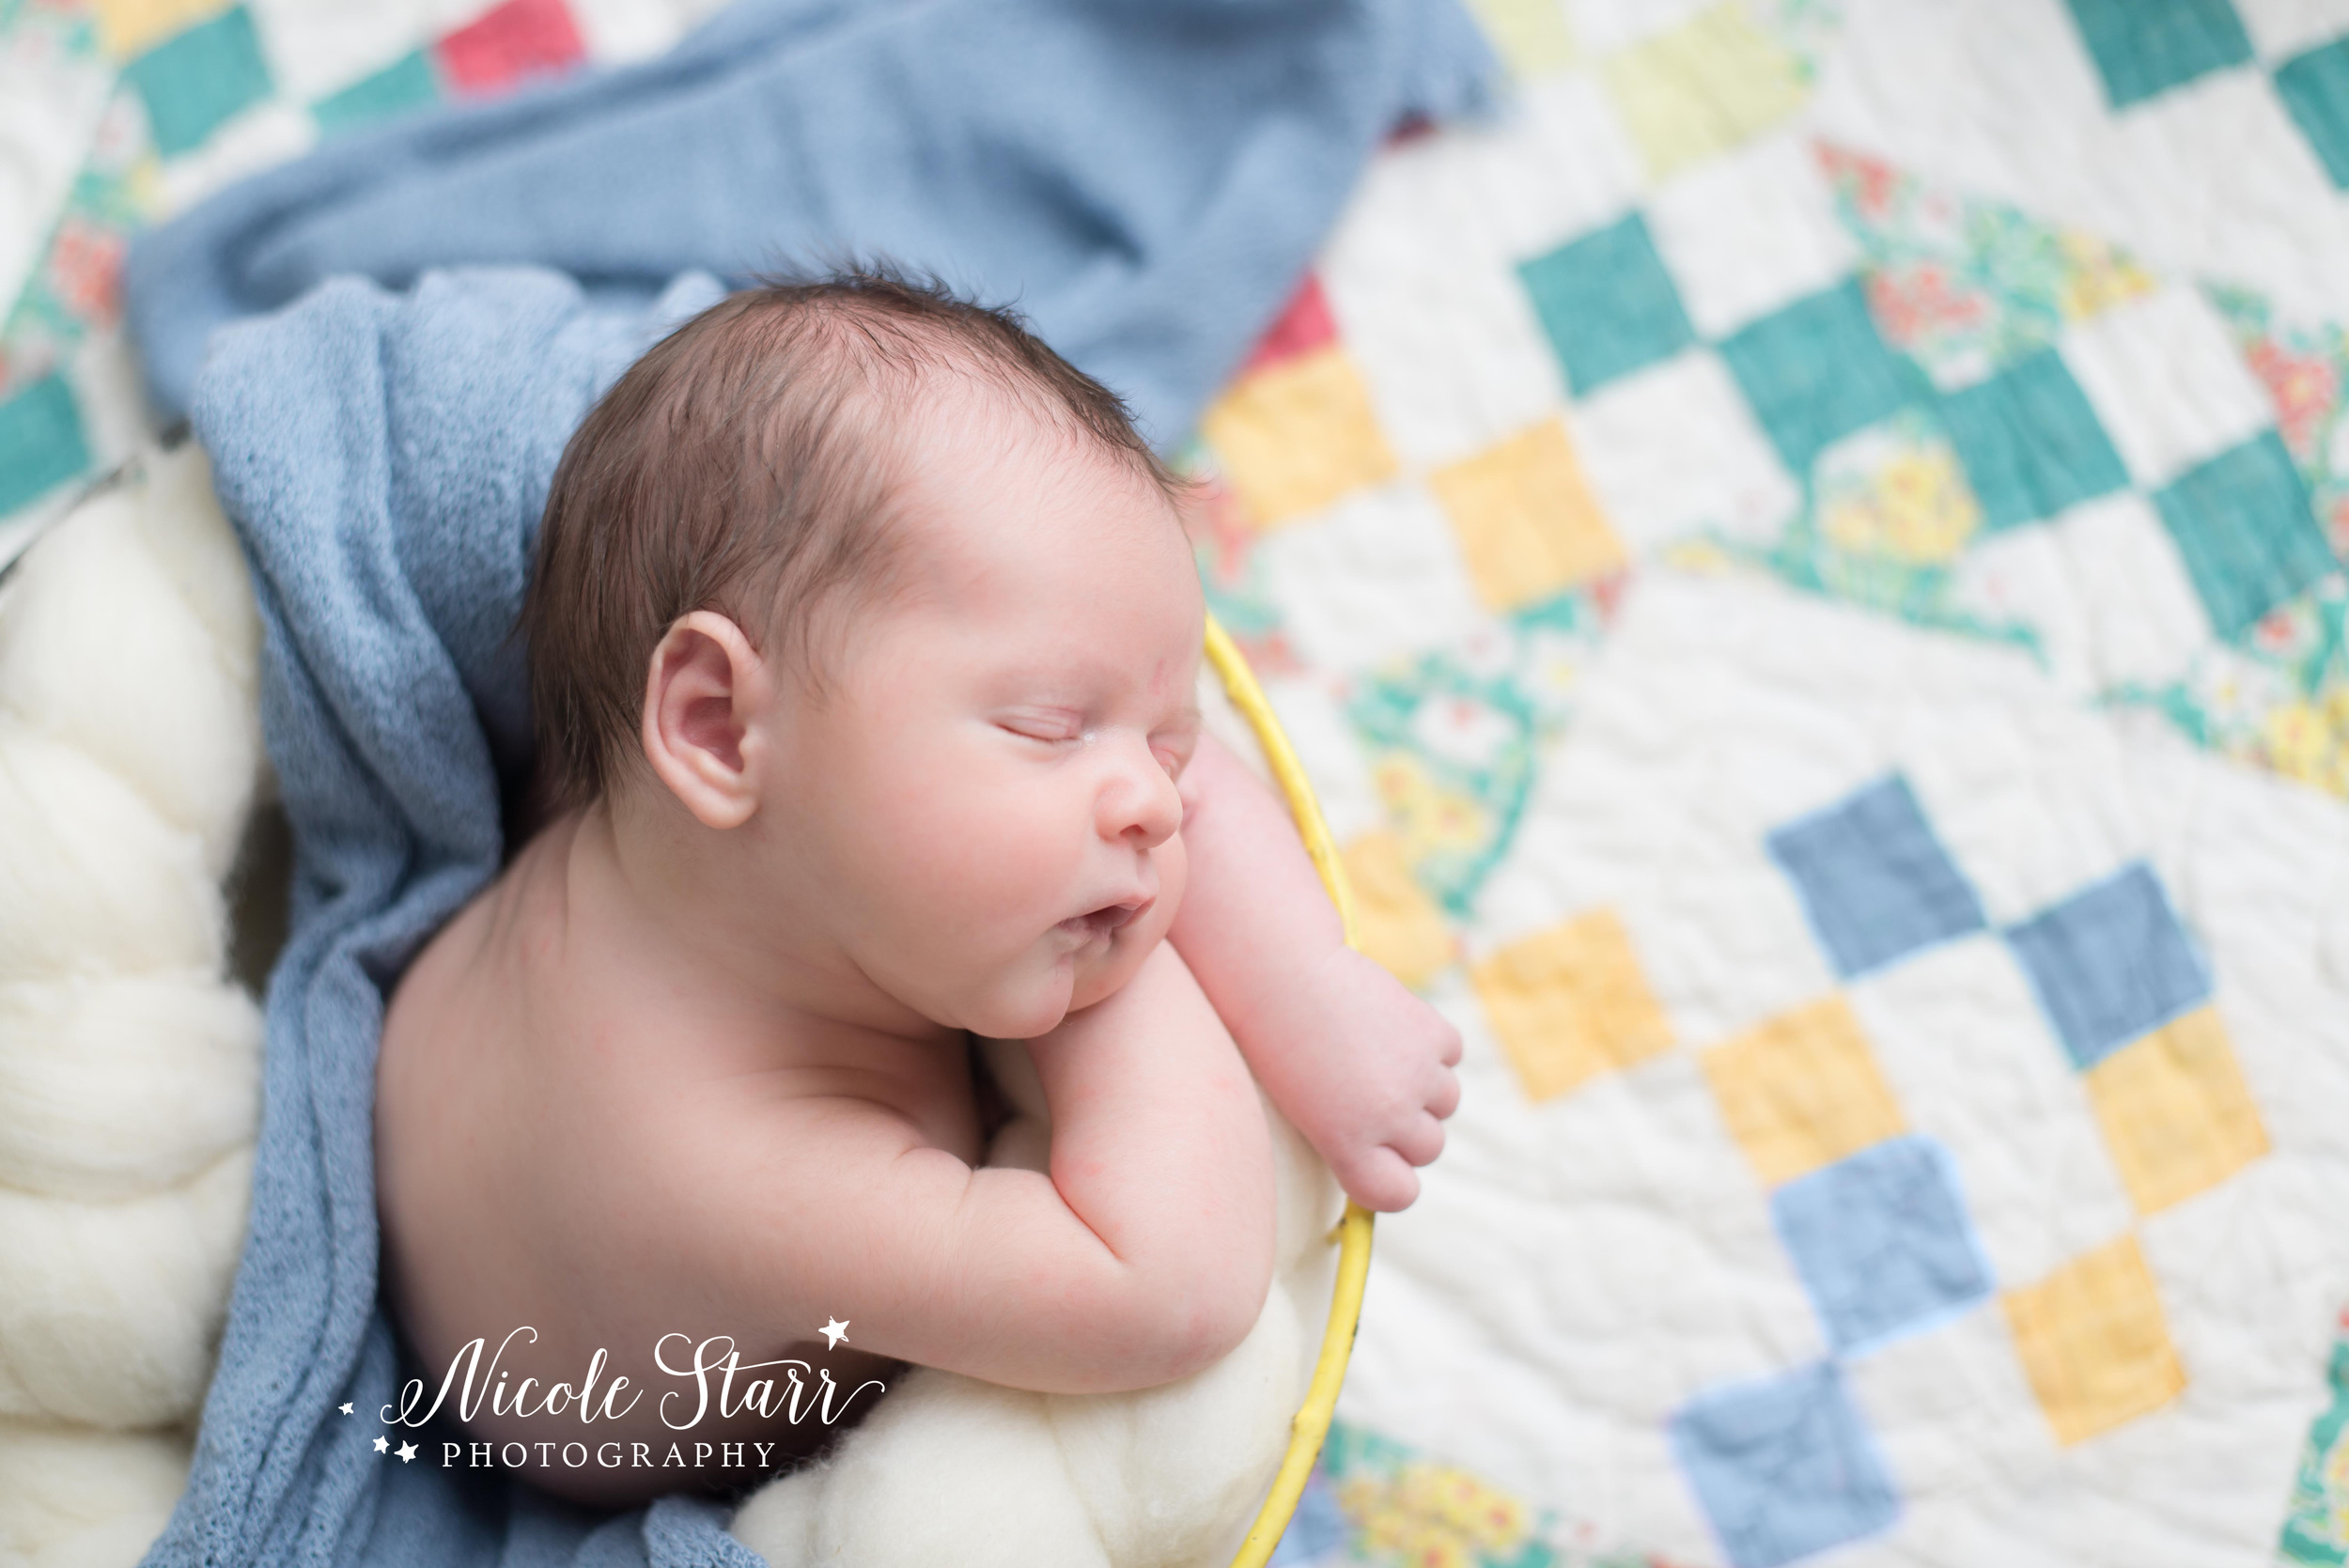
670	899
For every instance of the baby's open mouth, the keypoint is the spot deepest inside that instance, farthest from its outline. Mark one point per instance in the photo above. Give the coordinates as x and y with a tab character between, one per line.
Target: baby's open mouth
1100	923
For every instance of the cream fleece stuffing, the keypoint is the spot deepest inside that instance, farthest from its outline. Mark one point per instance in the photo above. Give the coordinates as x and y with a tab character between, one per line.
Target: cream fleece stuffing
129	1087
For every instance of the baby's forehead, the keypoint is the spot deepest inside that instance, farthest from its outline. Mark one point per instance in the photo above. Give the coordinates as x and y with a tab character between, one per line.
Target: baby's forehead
983	474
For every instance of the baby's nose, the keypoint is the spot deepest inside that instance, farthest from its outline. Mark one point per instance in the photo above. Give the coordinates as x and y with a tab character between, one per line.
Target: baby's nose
1145	806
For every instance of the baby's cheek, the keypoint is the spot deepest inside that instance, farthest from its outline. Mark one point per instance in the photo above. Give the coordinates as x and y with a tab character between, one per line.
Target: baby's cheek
1173	865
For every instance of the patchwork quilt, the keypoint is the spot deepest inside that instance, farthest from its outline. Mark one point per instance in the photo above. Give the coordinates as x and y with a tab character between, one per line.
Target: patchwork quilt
1805	560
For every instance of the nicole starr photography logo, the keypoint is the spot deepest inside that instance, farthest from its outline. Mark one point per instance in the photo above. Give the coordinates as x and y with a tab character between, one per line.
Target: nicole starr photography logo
716	1378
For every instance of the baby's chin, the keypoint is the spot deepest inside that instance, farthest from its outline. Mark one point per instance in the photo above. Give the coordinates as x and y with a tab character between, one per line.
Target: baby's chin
1057	980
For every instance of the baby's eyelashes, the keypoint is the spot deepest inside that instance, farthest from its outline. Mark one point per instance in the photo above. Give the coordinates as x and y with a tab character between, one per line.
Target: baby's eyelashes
1046	724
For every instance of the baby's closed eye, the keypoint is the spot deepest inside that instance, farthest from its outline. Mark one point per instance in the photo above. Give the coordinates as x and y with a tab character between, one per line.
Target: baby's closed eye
1051	726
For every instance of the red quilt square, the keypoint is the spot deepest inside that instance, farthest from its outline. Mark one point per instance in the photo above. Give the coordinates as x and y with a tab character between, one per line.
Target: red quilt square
519	39
1304	324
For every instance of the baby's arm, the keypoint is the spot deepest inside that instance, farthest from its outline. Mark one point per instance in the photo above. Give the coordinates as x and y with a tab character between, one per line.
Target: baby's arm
1358	1063
1143	1256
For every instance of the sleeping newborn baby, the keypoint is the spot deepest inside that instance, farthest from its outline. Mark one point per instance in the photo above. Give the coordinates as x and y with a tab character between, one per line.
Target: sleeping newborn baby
864	639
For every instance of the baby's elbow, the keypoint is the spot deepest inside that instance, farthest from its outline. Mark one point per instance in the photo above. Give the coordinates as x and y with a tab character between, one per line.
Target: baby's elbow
1204	1320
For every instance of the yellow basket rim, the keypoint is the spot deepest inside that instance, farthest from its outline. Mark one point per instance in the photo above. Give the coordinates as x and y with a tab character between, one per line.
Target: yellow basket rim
1310	1427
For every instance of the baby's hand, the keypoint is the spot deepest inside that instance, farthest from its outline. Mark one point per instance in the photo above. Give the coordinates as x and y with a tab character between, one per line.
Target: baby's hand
1365	1072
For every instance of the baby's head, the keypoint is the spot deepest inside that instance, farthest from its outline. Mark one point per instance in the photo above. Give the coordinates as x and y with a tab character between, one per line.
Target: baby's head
869	605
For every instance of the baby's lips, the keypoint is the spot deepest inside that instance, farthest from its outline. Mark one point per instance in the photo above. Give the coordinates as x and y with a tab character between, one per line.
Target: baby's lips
1104	919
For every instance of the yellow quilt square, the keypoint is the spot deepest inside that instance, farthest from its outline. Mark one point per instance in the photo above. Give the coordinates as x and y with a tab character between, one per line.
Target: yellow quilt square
1530	35
2176	1114
1394	919
1802	1091
128	27
1700	88
1527	522
1571	1002
2093	1341
1297	435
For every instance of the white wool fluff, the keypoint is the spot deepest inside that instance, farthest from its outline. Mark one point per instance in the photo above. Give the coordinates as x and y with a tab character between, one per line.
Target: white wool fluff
110	1312
70	1498
130	1067
92	881
107	653
120	1086
1169	1477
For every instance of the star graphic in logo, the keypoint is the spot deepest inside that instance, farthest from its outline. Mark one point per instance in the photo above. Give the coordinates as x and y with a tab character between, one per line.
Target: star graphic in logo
834	1331
382	1443
346	1407
406	1451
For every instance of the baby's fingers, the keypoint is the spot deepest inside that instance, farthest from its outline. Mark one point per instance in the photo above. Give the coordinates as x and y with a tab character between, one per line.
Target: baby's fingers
1419	1142
1380	1180
1446	1099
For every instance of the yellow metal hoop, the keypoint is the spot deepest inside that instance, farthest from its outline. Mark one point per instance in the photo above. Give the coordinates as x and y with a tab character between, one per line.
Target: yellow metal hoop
1310	1424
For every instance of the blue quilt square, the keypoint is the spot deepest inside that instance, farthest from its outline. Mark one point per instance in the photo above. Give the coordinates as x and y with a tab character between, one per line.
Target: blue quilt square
2031	443
2142	47
2109	964
1784	1466
1875	880
1316	1529
1608	305
1882	1242
195	79
1816	371
2244	526
2315	90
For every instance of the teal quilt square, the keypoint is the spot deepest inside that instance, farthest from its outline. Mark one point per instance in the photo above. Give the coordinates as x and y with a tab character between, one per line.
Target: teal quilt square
407	83
1816	371
195	79
1608	304
2315	90
2243	522
41	441
2031	443
2142	47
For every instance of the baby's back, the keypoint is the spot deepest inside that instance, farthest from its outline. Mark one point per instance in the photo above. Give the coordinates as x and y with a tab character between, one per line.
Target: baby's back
556	1150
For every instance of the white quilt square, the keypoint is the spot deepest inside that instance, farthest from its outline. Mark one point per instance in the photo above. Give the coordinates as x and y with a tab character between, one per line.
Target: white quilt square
2281	28
1747	232
1952	1410
1376	577
50	109
2104	589
1333	758
1674	450
1972	1063
2165	382
318	47
1643	1224
617	31
2145	621
271	132
1557	164
2022	579
2031	802
1602	28
1421	276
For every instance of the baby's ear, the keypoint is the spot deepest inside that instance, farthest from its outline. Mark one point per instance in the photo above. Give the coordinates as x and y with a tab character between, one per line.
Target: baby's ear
706	695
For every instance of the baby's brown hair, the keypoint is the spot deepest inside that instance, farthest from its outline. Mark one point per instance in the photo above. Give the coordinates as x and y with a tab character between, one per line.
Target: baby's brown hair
742	466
